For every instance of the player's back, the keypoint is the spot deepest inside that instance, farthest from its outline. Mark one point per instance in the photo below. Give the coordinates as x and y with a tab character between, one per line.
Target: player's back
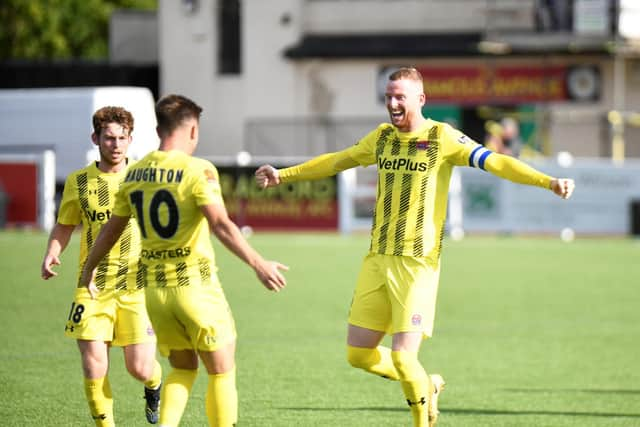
164	191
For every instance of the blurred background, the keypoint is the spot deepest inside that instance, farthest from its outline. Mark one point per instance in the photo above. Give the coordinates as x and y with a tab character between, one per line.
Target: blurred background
535	331
554	82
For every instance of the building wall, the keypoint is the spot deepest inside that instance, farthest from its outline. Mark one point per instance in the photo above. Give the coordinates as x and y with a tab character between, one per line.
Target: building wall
188	64
330	16
271	82
272	90
133	37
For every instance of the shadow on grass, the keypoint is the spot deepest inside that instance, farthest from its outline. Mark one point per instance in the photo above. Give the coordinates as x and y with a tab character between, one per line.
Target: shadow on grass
571	390
362	409
514	412
471	411
468	411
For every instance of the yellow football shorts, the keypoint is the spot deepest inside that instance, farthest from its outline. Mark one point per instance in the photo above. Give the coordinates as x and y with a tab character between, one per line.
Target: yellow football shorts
118	317
190	317
395	294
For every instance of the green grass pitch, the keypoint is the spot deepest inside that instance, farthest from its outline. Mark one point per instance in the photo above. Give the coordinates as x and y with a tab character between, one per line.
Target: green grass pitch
528	332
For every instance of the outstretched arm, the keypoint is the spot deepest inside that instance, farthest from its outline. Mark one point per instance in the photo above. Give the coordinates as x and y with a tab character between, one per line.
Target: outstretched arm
227	232
58	241
517	171
108	236
319	167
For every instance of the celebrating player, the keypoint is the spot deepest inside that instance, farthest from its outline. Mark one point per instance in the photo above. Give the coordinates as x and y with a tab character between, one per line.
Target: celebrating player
396	289
176	199
118	315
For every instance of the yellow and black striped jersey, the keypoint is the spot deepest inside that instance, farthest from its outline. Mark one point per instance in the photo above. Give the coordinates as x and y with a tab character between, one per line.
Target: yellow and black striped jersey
88	199
414	169
164	192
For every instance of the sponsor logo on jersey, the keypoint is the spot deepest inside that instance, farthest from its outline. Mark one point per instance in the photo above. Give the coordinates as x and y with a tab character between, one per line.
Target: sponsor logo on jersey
401	164
95	215
165	253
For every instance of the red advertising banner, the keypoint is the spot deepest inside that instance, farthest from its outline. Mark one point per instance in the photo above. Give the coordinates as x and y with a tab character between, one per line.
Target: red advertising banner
19	182
500	84
308	205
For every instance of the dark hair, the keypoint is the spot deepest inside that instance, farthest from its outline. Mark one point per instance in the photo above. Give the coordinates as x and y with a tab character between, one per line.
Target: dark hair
110	114
173	110
409	73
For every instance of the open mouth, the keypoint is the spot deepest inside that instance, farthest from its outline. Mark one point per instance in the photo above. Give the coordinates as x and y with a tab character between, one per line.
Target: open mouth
396	114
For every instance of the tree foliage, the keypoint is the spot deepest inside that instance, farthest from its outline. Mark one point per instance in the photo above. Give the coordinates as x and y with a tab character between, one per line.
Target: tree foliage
59	29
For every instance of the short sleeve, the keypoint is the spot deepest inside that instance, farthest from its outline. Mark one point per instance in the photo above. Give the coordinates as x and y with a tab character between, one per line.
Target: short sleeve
69	212
121	205
206	186
460	150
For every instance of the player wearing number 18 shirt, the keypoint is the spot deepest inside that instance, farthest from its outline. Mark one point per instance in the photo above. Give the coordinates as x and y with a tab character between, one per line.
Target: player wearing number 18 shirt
396	290
176	200
117	316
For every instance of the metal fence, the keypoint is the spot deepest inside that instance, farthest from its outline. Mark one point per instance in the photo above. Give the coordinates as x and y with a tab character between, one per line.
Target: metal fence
304	137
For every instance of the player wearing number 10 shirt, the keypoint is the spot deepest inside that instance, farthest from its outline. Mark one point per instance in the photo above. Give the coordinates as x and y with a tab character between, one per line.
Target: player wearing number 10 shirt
176	200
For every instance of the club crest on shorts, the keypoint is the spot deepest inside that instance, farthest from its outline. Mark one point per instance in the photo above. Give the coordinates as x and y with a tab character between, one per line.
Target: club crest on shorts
150	331
416	320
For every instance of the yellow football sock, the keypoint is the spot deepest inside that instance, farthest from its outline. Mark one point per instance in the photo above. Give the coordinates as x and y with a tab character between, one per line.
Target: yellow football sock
416	385
222	399
98	392
375	360
174	395
156	378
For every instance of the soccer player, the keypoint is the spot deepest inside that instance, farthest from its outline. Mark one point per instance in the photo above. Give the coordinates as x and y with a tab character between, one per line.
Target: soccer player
176	199
117	316
396	289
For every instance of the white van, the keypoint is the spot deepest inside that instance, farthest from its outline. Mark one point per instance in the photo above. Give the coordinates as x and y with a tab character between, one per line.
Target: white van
60	119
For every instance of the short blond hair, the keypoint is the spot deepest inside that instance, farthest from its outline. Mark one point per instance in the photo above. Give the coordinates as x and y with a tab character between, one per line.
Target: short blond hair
408	73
